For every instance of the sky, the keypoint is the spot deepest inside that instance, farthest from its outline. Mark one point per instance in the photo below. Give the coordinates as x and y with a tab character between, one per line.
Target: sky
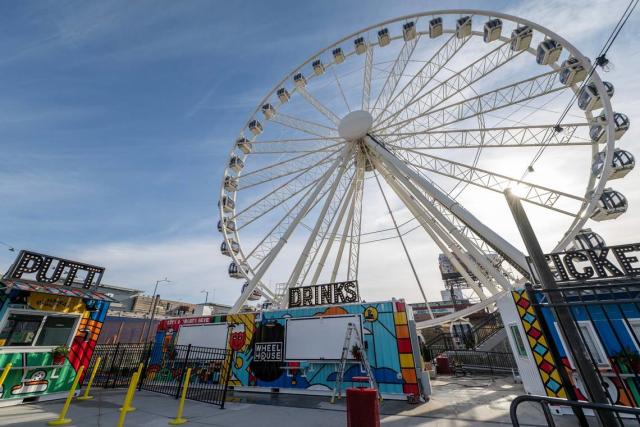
116	119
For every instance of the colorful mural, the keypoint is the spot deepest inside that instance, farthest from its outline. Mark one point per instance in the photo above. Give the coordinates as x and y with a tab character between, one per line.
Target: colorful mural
386	338
34	372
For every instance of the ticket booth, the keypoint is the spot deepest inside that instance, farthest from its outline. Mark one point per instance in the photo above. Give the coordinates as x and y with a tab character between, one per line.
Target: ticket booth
50	320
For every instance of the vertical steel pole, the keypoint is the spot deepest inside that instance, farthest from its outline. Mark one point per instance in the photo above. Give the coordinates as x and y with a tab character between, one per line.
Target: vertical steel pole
568	327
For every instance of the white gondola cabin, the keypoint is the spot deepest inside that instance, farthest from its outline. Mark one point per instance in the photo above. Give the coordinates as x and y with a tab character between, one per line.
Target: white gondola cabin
236	272
226	224
463	27
587	239
572	72
283	95
243	144
299	80
492	30
521	38
255	295
255	127
227	204
318	68
383	37
361	45
409	31
268	111
338	55
435	28
611	205
597	131
236	163
230	183
622	163
589	99
548	52
229	249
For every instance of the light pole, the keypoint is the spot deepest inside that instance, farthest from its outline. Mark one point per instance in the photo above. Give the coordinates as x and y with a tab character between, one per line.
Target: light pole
206	296
153	306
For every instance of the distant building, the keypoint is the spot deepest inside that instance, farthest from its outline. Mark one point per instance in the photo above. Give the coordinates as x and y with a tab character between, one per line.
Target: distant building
124	297
211	308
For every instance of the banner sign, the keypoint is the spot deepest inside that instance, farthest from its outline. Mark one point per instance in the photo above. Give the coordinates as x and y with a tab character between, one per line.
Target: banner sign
612	262
43	268
267	352
331	293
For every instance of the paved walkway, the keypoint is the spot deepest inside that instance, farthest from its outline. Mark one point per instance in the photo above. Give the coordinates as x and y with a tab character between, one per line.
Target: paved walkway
457	402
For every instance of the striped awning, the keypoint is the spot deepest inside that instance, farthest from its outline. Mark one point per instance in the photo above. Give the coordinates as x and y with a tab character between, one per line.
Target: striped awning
7	285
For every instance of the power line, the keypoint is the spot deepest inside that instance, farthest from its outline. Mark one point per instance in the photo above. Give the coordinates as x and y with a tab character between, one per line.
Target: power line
601	60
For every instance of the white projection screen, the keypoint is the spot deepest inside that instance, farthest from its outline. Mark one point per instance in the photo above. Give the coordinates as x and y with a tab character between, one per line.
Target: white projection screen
207	335
318	338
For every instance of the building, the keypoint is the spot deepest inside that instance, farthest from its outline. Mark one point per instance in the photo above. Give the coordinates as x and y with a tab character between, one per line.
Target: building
438	308
123	297
211	308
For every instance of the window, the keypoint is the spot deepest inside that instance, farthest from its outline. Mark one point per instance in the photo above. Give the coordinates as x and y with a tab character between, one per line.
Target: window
517	339
591	341
635	331
37	329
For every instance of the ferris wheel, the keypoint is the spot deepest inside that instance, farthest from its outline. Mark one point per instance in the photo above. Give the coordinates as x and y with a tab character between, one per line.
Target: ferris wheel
407	133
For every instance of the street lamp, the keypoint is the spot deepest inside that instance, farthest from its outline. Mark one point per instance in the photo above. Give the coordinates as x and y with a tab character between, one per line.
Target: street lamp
153	306
206	296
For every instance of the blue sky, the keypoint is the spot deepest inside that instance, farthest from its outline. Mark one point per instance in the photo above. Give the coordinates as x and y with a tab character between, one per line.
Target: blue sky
116	117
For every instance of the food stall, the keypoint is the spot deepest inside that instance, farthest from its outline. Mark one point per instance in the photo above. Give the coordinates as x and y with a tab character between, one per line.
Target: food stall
50	320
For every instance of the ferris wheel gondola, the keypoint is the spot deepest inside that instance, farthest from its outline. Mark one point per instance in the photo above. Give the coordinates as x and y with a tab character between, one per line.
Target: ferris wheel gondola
433	114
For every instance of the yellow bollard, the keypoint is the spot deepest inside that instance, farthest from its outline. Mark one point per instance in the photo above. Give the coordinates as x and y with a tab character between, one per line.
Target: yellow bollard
5	373
61	421
86	396
179	420
130	392
126	406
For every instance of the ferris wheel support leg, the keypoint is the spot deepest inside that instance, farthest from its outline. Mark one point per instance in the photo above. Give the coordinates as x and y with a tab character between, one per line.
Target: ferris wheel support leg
334	233
474	253
506	249
283	239
444	242
295	274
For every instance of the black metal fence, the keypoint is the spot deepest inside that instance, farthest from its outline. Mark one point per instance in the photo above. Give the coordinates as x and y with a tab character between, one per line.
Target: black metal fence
608	320
210	371
117	365
489	362
164	368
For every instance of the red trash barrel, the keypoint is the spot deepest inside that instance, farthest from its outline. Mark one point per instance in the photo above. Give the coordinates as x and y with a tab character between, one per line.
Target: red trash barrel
363	408
442	365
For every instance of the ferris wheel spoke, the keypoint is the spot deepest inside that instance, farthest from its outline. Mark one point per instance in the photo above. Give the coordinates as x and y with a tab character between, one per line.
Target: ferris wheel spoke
521	91
344	97
395	73
272	174
323	109
514	136
290	228
334	232
422	78
356	219
456	83
532	193
328	220
366	78
273	199
441	229
443	241
307	251
306	126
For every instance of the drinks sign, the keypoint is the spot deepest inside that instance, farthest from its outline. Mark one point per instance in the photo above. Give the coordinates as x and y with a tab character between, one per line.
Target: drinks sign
331	293
49	269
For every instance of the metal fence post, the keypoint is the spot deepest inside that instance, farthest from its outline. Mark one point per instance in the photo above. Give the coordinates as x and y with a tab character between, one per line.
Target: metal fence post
182	371
113	362
146	355
227	376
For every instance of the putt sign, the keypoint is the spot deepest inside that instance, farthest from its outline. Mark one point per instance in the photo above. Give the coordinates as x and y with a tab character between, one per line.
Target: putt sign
611	262
331	293
43	268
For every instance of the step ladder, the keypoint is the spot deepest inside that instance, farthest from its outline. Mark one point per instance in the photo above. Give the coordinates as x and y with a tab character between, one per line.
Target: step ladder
352	336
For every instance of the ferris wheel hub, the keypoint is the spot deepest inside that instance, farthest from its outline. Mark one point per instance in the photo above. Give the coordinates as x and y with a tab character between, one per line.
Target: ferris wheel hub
355	125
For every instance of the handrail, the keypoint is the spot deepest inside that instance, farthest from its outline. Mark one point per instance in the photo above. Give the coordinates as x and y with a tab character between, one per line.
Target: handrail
545	401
